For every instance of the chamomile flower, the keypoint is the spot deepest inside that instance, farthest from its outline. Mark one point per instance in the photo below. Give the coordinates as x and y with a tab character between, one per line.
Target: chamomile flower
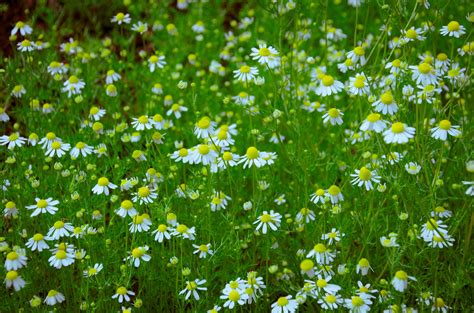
15	260
94	270
58	149
305	215
271	220
389	242
386	104
433	228
18	91
192	288
57	68
443	129
81	148
126	208
441	241
358	304
363	267
357	55
120	18
122	294
26	46
373	122
322	254
453	29
285	305
365	177
37	242
252	157
96	113
233	297
59	230
333	236
330	301
333	116
359	85
139	254
413	34
21	27
13	279
61	258
424	74
400	281
155	62
10	210
140	223
176	109
335	195
183	231
54	297
204	128
103	185
112	77
162	232
412	168
265	55
318	196
398	133
203	250
440	211
73	86
12	141
142	122
328	86
245	73
43	206
140	27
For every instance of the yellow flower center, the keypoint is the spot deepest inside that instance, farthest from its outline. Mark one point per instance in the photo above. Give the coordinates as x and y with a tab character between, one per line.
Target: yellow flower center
153	59
80	145
252	153
333	112
183	152
204	122
265	218
42	204
245	69
320	248
334	190
61	255
264	52
120	16
227	156
424	68
365	174
138	253
182	228
12	256
50	136
143	119
327	80
321	283
204	149
359	82
320	192
453	26
411	33
282	301
445	124
126	204
191	285
442	57
234	295
398	128
56	145
364	262
121	291
52	293
373	117
103	181
144	192
306	265
431	224
439	302
73	79
330	298
12	275
402	275
203	248
359	51
357	301
386	98
396	63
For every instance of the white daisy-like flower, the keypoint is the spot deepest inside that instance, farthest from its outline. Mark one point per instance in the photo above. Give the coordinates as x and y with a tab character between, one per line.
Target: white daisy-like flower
55	68
359	85
399	133
81	148
15	260
126	208
400	281
203	250
92	271
162	232
59	229
424	74
13	279
322	254
54	297
245	73
138	254
328	86
365	177
18	91
140	27
271	220
120	18
357	55
103	185
205	128
412	168
333	116
155	62
142	122
386	104
233	297
21	27
37	242
73	86
96	113
43	206
57	148
373	122
12	141
285	305
266	55
176	110
26	46
122	294
192	288
443	129
140	223
183	231
144	195
453	29
61	258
